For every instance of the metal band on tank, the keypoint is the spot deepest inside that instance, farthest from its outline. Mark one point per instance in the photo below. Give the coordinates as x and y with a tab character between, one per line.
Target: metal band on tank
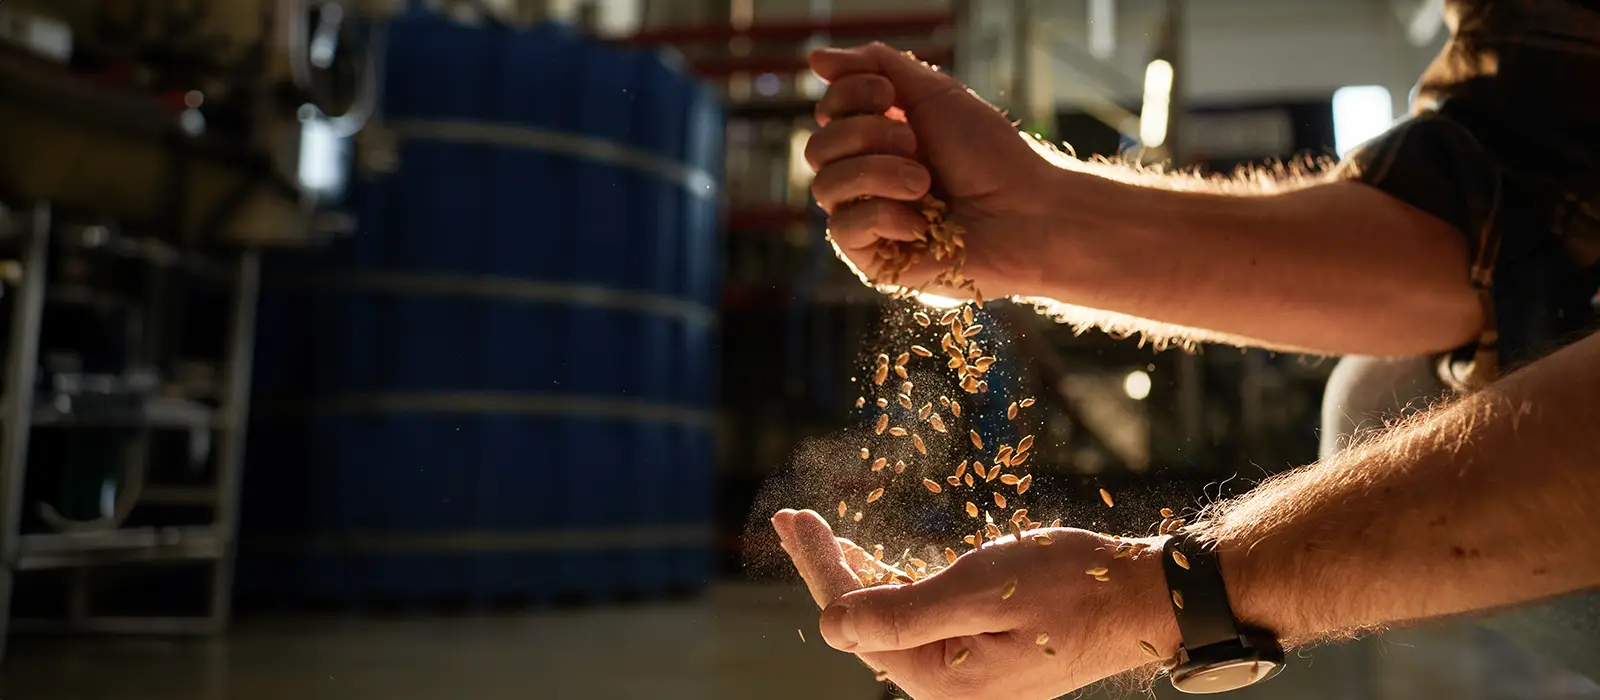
539	541
514	403
697	182
508	288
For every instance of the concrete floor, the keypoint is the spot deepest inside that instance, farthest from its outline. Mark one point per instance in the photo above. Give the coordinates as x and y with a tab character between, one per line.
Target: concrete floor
739	642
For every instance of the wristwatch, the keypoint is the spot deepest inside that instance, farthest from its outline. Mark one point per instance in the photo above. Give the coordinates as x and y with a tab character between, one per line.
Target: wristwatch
1218	653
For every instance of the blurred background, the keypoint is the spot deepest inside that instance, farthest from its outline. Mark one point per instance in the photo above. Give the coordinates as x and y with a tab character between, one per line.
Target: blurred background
393	349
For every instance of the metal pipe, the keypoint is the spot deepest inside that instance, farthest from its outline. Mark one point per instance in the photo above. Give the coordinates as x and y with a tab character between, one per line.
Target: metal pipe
17	421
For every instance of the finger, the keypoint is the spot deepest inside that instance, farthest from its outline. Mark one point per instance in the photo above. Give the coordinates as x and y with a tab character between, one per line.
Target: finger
914	82
858	135
860	225
892	177
862	93
947	605
817	555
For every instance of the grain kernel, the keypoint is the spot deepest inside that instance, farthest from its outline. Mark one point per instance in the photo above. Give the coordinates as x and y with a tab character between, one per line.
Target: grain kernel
1024	484
977	441
1000	500
1179	559
972	510
955	408
968	479
1106	496
1042	639
916	441
961	468
899	466
977	468
858	516
902	359
1102	579
842	508
927	410
1149	648
937	422
1177	598
960	657
1011	411
921	319
880	375
1166	512
966	314
1026	402
875	495
931	485
900	370
883	422
883	403
898	431
1042	539
905	401
1009	479
970	540
949	555
879	463
861	401
992	530
1025	444
953	480
920	351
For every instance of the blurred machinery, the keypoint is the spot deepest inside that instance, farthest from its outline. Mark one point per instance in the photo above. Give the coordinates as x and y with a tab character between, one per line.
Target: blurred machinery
148	148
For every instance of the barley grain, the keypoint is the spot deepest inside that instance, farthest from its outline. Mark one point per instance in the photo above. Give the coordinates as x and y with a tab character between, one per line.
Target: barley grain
937	422
931	485
944	401
1017	460
977	441
1149	648
858	516
961	468
925	411
1015	528
972	510
1106	496
879	463
920	351
955	363
1042	539
883	403
1000	500
968	479
955	408
977	468
921	319
875	495
900	371
842	509
1177	598
883	422
902	359
1166	513
972	330
949	555
992	530
899	466
1055	523
1025	483
970	540
1009	479
865	454
1179	559
948	316
1102	579
861	401
1025	444
898	431
880	375
953	480
1026	402
1011	411
984	362
966	314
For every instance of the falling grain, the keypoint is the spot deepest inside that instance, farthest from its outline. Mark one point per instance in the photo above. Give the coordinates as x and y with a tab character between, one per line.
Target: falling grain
916	441
1106	496
905	388
1177	598
1097	571
972	330
880	375
1015	527
970	540
955	408
966	314
949	555
843	508
1009	479
898	431
902	359
953	480
1000	500
968	479
977	441
944	401
931	485
937	422
1102	579
972	509
926	411
1042	539
984	362
875	495
899	466
883	422
920	351
900	371
1011	411
1009	589
861	401
948	316
1017	460
1055	523
977	468
1179	559
992	530
879	463
858	516
1025	444
1024	484
921	319
983	387
865	453
1149	648
883	403
905	401
1003	456
961	468
1166	513
994	473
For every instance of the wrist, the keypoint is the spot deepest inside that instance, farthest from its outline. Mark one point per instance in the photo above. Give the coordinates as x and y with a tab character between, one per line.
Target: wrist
1091	238
1149	604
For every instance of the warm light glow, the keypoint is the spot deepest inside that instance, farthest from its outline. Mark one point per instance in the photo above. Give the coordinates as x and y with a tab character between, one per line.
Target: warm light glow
939	302
1157	102
1137	385
1360	113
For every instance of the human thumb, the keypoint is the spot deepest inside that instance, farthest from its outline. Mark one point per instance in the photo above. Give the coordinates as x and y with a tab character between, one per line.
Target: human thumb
914	82
887	618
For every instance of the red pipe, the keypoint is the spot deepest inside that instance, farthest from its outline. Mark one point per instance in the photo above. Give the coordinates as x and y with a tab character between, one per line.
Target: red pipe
724	67
857	26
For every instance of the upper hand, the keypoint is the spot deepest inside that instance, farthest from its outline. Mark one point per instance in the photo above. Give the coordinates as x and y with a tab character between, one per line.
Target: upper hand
891	127
916	632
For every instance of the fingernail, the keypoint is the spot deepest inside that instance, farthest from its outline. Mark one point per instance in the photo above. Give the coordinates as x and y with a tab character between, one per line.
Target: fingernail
913	177
838	629
902	140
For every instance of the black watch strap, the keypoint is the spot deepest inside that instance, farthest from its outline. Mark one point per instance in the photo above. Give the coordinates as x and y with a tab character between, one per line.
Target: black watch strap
1198	596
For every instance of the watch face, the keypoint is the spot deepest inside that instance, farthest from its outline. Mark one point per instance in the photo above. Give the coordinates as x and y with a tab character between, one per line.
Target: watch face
1225	676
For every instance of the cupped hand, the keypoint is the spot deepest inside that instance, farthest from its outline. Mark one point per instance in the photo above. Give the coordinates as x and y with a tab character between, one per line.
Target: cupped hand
892	127
1013	619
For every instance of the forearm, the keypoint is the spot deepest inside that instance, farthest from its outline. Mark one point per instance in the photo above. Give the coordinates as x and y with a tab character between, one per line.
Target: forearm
1337	267
1482	504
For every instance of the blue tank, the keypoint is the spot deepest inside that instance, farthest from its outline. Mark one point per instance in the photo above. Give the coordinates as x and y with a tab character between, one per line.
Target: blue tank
502	387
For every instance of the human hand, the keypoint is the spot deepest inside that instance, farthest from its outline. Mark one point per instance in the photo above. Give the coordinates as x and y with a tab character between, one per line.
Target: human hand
955	635
891	127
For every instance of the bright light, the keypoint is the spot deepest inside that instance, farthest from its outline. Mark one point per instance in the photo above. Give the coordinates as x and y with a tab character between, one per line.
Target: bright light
1157	102
1137	385
1360	113
939	302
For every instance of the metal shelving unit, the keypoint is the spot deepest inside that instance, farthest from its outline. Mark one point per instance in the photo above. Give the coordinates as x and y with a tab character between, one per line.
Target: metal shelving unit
220	423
